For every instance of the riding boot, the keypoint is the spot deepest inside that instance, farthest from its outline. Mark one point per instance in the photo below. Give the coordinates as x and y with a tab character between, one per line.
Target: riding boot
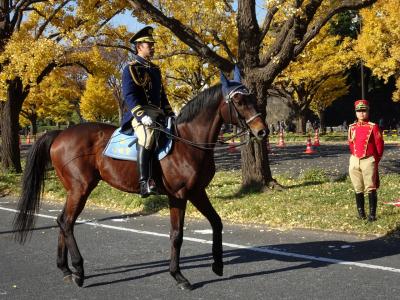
360	206
147	185
373	201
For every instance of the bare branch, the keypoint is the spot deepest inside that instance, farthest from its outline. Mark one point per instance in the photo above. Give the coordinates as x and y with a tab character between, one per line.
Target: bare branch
312	32
115	46
224	45
175	53
278	44
267	22
228	6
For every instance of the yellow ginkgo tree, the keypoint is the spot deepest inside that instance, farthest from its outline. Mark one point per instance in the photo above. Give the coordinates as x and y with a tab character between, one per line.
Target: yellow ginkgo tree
35	38
322	64
379	42
98	102
53	99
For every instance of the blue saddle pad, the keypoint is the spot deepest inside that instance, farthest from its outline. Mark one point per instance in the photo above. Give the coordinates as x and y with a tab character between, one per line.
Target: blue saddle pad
123	146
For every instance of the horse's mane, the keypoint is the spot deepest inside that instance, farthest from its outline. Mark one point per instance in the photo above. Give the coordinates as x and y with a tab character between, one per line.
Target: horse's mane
207	99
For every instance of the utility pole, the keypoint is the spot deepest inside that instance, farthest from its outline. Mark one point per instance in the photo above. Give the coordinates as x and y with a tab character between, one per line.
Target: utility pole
362	71
357	21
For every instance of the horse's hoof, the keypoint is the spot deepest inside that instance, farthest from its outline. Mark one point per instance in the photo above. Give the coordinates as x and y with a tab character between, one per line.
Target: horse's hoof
218	269
68	278
185	286
78	280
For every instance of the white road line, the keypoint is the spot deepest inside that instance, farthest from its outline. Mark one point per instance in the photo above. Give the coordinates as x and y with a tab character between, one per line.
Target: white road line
233	246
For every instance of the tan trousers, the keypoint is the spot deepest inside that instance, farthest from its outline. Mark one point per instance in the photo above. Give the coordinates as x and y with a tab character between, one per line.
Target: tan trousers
363	174
145	134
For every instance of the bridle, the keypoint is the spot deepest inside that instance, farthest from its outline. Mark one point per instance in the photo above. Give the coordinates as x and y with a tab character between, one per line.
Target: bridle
241	89
231	107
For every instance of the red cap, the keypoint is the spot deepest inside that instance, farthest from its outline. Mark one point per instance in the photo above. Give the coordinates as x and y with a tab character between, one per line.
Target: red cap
361	105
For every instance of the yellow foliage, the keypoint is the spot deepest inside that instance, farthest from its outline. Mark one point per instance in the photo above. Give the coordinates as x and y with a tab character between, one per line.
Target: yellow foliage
98	102
379	42
27	58
53	98
316	70
330	90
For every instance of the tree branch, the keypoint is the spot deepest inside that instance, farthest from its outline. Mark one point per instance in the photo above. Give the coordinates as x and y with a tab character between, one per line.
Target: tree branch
224	45
184	33
312	32
49	19
248	33
267	22
228	6
115	46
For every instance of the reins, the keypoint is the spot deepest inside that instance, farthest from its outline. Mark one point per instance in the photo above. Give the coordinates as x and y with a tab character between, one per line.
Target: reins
210	146
202	146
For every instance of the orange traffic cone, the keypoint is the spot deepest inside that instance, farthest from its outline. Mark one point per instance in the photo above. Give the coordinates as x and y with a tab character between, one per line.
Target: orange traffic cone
309	149
316	138
281	142
28	139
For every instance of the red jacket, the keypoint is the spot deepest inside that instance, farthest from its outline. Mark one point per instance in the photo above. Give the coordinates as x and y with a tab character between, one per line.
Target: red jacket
365	139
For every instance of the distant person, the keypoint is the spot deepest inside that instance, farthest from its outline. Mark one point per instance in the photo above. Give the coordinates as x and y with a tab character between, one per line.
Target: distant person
308	126
272	129
344	125
366	147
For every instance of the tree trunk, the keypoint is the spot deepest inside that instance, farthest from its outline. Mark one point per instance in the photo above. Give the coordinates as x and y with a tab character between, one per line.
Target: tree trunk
256	172
301	124
10	127
33	120
321	115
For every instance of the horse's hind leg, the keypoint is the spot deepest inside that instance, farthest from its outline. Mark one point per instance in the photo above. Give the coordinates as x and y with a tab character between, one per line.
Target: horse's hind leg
62	257
177	215
202	203
76	200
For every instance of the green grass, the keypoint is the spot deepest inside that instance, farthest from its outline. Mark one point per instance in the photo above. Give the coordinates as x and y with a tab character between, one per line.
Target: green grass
312	201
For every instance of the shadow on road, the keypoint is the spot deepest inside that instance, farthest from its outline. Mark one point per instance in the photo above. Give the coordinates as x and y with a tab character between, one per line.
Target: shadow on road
335	249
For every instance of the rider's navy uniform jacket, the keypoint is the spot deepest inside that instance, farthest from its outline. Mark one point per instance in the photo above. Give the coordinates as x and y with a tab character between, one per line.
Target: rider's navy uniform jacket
142	85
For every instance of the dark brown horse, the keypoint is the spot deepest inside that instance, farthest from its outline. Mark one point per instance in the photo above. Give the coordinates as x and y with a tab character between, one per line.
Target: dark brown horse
76	155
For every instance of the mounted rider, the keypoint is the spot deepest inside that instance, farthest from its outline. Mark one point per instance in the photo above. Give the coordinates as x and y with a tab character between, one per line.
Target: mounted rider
145	102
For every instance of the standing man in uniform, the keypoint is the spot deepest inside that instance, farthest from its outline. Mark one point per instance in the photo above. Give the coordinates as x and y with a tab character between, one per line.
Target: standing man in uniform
144	102
366	147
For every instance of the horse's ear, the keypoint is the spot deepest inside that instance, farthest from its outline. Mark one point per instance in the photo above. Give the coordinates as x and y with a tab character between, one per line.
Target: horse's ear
224	80
236	74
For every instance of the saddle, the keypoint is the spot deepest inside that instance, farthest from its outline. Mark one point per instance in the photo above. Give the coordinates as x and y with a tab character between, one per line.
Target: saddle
122	144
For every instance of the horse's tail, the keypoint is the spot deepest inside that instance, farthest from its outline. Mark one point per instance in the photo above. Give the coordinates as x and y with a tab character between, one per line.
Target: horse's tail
33	185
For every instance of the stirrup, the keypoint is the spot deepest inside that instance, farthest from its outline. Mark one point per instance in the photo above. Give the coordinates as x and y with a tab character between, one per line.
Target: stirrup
148	188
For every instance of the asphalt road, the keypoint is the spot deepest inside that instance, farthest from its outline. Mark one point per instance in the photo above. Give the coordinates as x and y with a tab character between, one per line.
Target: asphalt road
126	256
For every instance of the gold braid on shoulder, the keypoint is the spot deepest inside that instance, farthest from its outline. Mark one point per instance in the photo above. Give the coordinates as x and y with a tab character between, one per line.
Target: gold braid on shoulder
136	79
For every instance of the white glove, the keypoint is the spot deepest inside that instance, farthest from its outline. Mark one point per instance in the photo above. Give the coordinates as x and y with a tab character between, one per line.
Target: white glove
147	121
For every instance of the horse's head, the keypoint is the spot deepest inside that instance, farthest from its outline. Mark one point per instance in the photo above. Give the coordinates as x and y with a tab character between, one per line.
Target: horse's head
240	106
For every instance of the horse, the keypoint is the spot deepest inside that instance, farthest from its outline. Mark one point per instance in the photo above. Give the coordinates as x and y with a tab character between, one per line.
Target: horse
183	175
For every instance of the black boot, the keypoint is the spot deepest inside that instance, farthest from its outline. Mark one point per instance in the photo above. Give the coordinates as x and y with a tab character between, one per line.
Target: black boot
147	185
373	201
360	206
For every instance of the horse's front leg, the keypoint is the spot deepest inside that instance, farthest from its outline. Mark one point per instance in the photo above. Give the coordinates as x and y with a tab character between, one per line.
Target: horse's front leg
202	203
177	215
